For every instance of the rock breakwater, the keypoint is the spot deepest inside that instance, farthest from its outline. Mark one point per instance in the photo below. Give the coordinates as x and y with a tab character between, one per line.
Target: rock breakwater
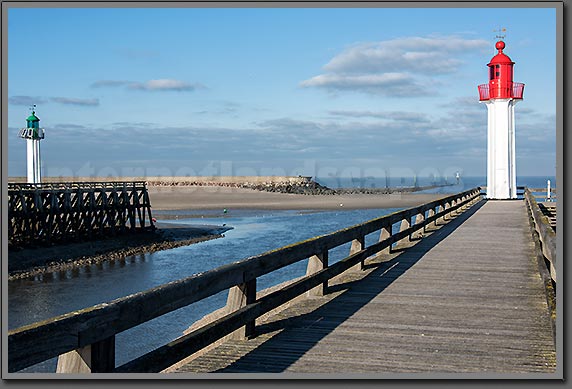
302	186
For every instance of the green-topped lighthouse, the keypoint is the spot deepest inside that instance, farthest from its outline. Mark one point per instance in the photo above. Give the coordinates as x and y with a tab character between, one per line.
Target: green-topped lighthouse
33	134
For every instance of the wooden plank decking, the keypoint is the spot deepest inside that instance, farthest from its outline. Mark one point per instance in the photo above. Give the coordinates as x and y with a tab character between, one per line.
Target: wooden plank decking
466	298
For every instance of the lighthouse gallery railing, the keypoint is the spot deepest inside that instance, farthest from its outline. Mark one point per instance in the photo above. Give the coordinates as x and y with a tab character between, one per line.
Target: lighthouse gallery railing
517	91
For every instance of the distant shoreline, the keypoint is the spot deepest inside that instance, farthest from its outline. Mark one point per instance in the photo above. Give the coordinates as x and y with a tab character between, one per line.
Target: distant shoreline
216	197
262	192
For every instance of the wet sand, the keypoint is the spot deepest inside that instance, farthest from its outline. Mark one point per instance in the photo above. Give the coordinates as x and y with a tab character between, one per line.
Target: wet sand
216	197
30	262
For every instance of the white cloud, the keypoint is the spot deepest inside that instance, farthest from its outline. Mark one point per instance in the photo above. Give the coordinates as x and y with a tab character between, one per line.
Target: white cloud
398	67
390	115
109	83
30	100
26	100
431	55
163	84
287	125
399	84
70	126
76	101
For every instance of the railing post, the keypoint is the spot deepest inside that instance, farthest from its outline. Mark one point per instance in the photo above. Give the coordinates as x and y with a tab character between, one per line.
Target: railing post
471	200
94	358
430	214
383	235
464	206
446	209
440	211
358	245
315	264
476	198
419	219
405	224
240	296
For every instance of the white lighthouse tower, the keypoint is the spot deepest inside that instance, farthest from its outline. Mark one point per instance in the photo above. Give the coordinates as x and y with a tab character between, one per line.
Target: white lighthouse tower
500	95
33	134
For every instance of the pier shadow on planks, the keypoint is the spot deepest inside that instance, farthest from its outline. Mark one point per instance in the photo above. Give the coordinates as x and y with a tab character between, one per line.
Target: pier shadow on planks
290	334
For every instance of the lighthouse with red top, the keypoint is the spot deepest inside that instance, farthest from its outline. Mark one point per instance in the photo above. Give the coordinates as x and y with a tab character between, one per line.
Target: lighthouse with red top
500	95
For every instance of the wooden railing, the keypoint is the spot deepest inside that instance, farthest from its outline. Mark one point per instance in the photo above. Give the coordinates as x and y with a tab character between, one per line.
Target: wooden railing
85	339
76	185
545	232
538	193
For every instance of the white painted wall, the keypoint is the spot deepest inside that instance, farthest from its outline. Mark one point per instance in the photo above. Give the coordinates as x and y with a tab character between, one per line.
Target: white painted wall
501	161
33	161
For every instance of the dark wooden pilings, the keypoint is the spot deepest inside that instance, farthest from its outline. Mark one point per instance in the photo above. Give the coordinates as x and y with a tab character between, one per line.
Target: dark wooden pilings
59	212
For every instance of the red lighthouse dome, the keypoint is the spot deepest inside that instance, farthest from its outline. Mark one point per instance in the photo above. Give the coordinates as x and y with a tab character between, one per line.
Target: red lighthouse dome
500	58
501	85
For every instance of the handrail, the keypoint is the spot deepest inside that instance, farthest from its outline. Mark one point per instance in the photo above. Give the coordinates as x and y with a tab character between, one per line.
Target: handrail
93	329
545	232
484	92
16	186
537	190
514	90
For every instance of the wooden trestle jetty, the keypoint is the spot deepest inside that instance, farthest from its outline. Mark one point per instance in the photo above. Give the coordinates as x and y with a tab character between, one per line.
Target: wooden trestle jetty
457	285
47	213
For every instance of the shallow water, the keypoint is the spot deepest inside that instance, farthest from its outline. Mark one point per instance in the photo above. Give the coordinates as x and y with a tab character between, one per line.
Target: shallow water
254	232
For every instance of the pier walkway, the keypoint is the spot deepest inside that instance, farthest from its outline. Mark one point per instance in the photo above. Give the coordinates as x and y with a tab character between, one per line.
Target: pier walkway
468	297
456	285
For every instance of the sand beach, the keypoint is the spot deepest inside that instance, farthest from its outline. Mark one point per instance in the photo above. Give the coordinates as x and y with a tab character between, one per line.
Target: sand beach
219	197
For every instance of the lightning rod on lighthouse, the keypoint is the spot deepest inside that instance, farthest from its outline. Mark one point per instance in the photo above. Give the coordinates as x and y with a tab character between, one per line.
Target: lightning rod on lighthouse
33	134
500	95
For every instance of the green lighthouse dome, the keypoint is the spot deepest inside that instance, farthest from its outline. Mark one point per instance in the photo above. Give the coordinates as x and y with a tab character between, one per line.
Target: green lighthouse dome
33	121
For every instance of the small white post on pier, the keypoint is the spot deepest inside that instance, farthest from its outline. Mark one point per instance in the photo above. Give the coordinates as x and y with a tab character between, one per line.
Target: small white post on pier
548	191
33	134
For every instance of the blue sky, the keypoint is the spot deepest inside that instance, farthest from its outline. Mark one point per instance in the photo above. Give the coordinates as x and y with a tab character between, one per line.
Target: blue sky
318	92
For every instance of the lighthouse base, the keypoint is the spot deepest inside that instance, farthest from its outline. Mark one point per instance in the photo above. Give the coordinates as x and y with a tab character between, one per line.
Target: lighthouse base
501	164
33	161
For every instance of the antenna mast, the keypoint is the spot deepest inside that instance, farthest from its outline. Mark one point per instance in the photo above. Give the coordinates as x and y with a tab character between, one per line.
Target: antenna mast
500	33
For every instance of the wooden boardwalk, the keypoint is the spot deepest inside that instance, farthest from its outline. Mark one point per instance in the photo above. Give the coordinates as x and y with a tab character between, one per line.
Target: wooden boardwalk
466	298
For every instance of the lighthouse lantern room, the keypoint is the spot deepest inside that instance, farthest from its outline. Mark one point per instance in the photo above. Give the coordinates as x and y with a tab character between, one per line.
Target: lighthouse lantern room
33	134
500	95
